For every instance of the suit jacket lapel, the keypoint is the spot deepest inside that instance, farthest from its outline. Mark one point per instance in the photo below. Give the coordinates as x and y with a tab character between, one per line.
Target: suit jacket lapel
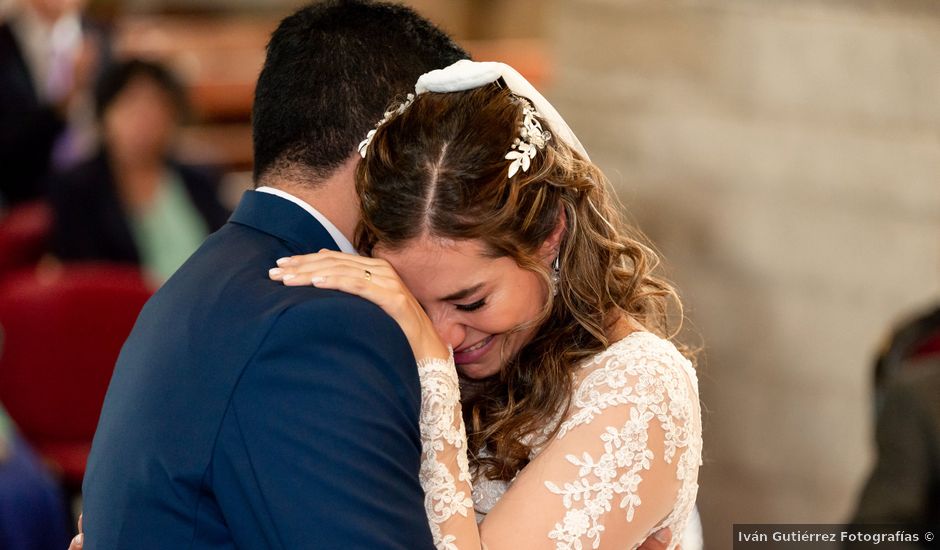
283	219
16	73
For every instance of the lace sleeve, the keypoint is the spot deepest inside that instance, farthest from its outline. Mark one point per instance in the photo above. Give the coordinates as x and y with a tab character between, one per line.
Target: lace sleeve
623	464
445	470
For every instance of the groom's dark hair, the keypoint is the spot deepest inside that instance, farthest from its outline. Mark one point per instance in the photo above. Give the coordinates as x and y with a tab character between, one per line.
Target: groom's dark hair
330	72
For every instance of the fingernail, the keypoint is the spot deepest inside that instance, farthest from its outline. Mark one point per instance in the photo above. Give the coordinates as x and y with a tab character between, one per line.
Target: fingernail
662	535
289	276
317	279
284	261
79	540
274	272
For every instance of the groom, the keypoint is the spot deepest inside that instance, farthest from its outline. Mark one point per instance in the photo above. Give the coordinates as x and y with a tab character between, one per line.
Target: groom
243	413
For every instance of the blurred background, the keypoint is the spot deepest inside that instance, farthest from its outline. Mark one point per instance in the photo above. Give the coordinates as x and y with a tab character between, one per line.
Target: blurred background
783	155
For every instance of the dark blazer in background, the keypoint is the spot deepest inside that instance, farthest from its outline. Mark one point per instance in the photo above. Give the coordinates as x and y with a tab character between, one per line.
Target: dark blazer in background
92	224
28	128
904	485
243	413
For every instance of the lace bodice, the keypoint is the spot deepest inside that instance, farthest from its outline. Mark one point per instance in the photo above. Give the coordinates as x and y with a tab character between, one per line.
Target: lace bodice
623	463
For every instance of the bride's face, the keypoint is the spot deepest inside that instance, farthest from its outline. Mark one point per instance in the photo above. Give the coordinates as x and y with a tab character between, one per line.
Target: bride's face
473	300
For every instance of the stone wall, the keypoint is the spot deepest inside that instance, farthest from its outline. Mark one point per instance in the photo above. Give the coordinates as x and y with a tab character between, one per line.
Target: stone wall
785	157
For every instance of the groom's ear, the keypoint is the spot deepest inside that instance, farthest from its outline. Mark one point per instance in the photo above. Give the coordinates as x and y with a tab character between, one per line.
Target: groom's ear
549	249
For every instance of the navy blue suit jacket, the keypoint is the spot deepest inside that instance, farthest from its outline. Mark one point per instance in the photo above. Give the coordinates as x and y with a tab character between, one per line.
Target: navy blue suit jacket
246	414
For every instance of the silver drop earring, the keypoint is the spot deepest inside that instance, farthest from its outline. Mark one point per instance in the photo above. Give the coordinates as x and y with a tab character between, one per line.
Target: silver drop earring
556	274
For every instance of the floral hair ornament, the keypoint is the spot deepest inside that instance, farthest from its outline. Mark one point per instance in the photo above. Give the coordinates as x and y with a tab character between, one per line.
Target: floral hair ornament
532	138
467	75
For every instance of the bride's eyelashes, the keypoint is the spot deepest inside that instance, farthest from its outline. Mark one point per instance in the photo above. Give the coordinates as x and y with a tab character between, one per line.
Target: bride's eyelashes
471	307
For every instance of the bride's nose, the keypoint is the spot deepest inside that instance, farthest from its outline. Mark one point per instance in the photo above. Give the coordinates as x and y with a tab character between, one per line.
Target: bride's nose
451	332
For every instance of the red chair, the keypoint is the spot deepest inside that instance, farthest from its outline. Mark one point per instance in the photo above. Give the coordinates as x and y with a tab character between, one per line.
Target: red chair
62	332
23	234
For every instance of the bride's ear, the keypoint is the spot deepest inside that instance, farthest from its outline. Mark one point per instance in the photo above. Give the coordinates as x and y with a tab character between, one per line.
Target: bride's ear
549	249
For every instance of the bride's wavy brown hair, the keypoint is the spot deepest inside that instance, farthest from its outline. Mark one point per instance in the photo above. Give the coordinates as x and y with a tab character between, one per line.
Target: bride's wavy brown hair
439	168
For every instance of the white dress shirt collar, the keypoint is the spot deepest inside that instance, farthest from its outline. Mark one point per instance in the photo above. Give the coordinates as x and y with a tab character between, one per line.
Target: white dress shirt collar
341	240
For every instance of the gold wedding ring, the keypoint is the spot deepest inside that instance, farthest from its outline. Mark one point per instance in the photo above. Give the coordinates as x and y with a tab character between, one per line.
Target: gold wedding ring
368	274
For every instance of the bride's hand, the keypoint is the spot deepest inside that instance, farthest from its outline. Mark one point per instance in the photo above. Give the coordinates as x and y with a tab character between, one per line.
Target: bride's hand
372	279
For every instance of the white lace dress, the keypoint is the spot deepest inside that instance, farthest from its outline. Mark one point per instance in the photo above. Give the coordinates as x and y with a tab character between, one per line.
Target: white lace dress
623	464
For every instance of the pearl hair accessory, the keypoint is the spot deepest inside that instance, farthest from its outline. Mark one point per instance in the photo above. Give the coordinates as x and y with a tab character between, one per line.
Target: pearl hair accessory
364	144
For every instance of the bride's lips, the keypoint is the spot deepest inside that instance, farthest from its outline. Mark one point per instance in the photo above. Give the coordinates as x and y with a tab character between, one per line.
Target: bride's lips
473	353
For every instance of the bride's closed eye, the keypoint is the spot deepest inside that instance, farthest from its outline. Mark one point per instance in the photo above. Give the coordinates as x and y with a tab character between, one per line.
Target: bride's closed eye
471	307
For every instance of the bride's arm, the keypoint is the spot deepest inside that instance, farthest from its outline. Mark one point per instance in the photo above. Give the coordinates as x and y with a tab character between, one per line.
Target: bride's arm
445	471
609	478
603	485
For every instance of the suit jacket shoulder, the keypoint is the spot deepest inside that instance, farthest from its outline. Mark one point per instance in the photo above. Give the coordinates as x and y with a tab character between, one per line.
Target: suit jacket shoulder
330	397
256	414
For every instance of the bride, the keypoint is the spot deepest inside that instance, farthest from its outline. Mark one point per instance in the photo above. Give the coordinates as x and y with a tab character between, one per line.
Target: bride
555	412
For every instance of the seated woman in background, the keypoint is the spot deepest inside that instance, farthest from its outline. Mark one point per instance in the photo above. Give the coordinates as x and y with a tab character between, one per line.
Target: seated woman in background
132	202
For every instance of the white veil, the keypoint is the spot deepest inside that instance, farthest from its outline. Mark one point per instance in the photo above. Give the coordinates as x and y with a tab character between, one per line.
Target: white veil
467	75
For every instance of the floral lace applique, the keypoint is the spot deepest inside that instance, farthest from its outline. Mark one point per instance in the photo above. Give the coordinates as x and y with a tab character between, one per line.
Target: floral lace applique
442	430
648	375
653	381
643	376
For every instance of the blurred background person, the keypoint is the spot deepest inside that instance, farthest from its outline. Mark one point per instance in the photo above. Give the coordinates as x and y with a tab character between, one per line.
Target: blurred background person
904	484
132	202
48	55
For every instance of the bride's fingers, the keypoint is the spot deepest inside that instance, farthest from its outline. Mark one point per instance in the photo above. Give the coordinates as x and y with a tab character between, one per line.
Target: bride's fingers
318	262
380	291
290	261
304	274
380	285
327	263
353	272
293	260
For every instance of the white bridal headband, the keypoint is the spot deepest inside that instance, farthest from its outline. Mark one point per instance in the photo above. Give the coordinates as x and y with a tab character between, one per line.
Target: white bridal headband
467	75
